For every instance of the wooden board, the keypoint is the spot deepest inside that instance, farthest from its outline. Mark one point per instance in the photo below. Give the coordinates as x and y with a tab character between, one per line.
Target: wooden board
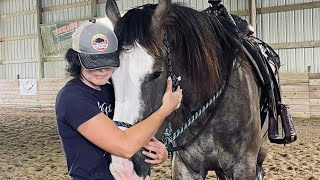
315	94
296	95
300	91
295	88
294	76
293	81
314	76
296	101
314	82
315	102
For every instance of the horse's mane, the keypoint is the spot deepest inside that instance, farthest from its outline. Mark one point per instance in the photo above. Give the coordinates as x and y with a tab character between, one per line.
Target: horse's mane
199	44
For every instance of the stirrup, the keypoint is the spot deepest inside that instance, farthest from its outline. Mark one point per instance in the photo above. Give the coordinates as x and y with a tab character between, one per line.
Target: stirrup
290	134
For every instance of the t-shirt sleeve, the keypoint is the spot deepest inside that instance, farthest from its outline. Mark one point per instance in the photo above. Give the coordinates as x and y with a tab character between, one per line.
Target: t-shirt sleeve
76	108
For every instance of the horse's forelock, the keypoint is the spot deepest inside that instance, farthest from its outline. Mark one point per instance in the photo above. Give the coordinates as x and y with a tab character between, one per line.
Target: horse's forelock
135	26
194	43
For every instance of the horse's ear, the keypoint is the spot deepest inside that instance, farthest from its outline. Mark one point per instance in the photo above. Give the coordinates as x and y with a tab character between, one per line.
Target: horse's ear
112	11
160	11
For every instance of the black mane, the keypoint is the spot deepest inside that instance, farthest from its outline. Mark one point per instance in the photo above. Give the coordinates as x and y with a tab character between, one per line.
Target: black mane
199	43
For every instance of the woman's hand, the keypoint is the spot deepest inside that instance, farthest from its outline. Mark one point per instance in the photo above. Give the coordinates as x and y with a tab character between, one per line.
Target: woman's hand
171	100
160	153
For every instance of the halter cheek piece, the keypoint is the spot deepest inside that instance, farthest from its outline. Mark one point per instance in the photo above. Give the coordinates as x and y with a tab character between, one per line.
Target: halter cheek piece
175	79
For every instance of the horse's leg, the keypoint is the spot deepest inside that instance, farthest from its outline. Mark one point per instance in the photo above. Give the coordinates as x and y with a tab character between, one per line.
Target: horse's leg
181	172
243	170
240	171
261	157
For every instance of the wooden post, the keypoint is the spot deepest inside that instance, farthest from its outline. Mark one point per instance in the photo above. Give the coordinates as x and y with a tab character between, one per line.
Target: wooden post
253	14
93	10
39	22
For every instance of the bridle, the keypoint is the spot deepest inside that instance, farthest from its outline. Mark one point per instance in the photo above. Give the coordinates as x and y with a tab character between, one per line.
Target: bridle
168	136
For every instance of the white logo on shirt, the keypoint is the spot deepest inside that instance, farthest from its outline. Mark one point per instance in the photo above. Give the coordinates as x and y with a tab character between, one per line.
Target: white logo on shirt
105	108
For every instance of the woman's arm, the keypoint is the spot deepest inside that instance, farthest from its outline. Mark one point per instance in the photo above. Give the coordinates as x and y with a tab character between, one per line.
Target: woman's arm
101	130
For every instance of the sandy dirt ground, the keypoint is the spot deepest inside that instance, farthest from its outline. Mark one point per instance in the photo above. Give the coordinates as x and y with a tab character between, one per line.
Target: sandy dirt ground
30	149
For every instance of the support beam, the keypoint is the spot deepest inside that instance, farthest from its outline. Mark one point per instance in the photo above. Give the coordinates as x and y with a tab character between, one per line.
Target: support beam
15	38
253	14
19	61
40	55
93	9
66	6
291	7
240	13
276	9
292	45
11	15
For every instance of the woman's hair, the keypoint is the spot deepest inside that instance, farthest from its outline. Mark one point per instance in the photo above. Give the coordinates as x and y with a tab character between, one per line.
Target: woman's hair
74	67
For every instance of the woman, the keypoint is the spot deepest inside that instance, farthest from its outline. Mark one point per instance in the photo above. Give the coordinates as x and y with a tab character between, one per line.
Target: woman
84	108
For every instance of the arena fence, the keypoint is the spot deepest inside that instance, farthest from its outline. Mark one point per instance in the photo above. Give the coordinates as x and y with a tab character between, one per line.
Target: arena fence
301	91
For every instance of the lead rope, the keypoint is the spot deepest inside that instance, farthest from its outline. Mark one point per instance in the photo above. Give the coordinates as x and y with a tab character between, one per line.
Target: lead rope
167	136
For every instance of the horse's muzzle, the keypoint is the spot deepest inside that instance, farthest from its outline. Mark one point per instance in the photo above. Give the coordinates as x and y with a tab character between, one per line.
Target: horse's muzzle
140	166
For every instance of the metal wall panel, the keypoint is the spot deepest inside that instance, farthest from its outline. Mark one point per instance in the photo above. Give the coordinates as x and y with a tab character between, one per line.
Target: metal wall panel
20	50
18	27
291	26
316	60
282	27
316	23
10	6
64	15
124	6
76	13
55	69
21	70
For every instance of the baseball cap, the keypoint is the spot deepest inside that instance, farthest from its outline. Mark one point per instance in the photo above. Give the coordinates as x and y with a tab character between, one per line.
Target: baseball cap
96	45
214	1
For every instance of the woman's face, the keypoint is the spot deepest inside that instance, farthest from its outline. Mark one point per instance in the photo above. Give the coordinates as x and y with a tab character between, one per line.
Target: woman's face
98	77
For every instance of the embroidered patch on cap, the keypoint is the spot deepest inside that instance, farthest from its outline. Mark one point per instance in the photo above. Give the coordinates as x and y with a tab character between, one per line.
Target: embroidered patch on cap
99	42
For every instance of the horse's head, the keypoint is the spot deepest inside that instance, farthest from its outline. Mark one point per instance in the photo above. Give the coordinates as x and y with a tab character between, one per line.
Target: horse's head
140	80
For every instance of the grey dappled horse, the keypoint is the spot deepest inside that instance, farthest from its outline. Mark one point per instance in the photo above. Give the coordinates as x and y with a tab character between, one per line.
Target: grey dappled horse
156	41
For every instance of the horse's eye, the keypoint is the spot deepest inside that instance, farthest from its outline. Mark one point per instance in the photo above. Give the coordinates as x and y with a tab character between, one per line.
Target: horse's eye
155	75
127	48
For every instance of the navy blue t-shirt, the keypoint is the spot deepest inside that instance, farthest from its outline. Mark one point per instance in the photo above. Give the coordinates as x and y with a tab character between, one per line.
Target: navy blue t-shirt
75	104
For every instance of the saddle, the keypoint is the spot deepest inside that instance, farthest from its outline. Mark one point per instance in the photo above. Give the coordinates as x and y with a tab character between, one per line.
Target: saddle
266	63
275	115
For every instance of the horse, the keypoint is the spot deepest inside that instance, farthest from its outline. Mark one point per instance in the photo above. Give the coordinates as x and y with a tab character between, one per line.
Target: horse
221	93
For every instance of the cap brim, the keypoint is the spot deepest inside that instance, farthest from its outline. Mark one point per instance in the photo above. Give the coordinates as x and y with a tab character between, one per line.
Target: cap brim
98	61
